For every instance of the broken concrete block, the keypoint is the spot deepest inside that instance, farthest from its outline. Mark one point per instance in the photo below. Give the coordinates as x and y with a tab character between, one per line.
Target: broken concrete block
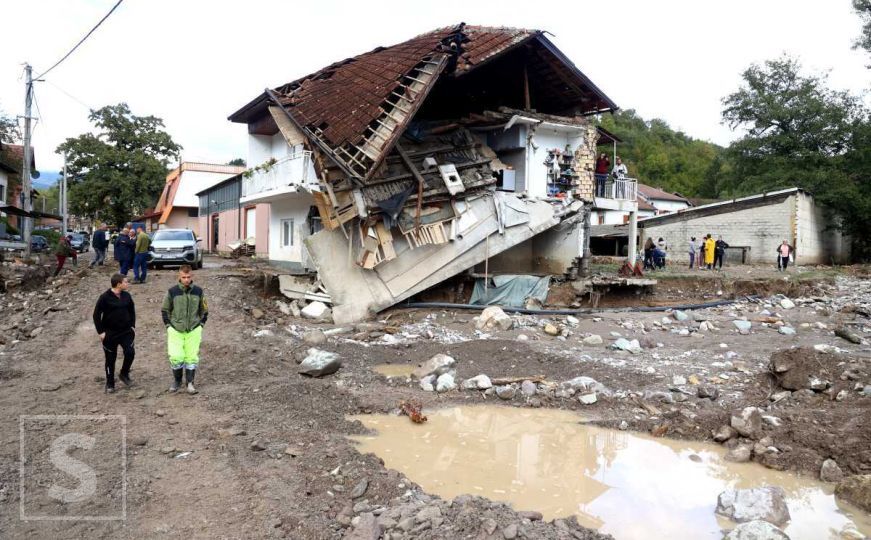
766	503
315	310
492	318
437	365
319	363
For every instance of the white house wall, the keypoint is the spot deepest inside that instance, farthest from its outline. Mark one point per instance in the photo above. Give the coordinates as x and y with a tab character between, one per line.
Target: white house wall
296	208
544	139
817	241
668	206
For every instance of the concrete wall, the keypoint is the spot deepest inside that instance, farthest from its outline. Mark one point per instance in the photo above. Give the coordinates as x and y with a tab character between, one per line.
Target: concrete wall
229	230
292	207
668	206
761	228
616	217
179	219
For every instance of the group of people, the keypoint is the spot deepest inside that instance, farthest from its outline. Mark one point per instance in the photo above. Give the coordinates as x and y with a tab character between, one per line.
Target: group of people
603	168
655	253
707	254
184	312
131	251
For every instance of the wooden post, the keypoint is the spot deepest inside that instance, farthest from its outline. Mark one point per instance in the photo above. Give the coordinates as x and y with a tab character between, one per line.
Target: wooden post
526	100
420	181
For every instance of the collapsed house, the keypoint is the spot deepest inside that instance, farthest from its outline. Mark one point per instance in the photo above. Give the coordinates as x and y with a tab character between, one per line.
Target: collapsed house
414	163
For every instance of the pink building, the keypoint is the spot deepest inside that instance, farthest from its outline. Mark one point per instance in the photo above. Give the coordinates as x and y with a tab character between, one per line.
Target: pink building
223	219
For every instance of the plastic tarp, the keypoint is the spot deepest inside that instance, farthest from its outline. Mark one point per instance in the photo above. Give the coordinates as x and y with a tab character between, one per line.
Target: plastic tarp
510	290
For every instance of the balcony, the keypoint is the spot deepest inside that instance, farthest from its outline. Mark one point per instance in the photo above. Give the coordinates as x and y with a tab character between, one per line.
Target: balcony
616	193
287	176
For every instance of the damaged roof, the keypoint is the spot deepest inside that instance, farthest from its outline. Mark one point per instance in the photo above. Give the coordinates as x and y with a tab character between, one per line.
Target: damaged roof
354	110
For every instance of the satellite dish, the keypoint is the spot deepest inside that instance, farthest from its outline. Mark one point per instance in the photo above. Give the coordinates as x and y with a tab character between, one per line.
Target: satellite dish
34	174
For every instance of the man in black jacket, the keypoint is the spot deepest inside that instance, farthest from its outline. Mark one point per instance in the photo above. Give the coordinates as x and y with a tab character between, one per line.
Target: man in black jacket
719	252
115	321
100	243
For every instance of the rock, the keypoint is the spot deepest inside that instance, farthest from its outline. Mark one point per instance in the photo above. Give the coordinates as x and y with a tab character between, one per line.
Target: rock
258	446
743	326
551	329
786	331
797	369
678	380
360	489
624	425
708	392
772	420
724	434
764	503
588	399
139	441
756	530
366	528
531	515
777	396
585	384
680	316
316	310
593	340
749	423
845	333
510	532
492	318
445	383
257	313
36	331
786	303
522	337
167	450
831	472
314	337
489	525
427	384
528	388
478	382
294	309
505	392
160	412
856	490
572	321
437	365
427	513
318	363
683	332
739	454
624	344
283	308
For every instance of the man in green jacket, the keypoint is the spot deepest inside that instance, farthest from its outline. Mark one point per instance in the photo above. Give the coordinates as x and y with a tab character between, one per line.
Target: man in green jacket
184	314
140	257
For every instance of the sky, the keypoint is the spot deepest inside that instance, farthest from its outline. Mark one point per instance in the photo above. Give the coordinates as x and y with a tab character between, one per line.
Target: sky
194	62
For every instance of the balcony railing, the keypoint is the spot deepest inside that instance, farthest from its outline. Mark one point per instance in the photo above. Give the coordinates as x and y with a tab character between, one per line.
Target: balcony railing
293	170
621	189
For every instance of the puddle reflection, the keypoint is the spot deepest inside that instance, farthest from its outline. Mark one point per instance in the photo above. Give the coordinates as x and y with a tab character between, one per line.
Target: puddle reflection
624	484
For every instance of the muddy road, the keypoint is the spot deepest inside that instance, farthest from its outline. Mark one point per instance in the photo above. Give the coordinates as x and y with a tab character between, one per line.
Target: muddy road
263	452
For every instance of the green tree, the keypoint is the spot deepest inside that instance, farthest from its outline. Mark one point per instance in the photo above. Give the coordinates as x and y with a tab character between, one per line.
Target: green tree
238	162
119	172
863	9
9	132
800	133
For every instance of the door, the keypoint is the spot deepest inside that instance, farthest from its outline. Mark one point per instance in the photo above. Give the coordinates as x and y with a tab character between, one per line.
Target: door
215	221
250	222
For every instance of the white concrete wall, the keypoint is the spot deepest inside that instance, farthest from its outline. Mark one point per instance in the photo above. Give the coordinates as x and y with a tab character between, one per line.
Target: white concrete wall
762	228
543	139
259	149
817	241
616	217
668	206
296	208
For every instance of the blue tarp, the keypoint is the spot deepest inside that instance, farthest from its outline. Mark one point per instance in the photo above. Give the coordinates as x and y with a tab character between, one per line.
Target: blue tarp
510	290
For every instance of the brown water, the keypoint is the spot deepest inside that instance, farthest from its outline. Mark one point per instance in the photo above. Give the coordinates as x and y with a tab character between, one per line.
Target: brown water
402	371
621	483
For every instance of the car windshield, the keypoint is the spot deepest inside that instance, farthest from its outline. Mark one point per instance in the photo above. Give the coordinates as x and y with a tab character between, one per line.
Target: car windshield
78	237
173	235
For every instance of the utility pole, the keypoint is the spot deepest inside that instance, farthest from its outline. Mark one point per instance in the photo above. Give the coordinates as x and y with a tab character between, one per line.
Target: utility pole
63	197
25	169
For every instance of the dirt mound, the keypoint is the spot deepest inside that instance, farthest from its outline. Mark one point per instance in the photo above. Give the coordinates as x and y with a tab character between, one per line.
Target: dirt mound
803	367
771	287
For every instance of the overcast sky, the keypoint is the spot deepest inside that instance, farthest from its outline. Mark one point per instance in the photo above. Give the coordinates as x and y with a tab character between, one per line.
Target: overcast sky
193	62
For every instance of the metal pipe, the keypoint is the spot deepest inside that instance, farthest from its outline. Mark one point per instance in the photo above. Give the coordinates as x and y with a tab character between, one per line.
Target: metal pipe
645	309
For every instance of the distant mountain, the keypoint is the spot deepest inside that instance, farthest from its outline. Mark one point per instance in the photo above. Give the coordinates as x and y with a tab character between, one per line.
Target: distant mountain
46	179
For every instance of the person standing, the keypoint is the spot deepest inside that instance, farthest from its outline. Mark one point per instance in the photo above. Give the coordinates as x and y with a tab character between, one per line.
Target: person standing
140	257
64	250
784	251
719	252
115	321
124	251
692	251
603	164
710	248
100	243
184	314
620	170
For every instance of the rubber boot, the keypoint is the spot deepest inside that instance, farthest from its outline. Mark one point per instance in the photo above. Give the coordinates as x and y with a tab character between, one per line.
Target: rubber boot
176	382
189	376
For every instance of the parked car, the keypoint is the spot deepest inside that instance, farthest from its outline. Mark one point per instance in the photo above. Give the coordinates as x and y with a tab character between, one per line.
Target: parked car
38	244
80	243
175	247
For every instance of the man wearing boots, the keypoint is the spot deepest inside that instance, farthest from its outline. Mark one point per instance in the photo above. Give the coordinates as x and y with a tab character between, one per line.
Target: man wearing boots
115	321
184	313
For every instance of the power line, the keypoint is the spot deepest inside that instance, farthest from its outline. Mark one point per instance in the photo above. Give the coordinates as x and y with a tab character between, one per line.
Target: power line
72	97
81	40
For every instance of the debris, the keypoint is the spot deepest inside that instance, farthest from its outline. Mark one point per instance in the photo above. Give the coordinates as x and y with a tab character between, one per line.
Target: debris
786	303
766	503
624	344
412	409
478	382
803	367
588	399
493	317
314	337
551	329
831	472
756	530
743	326
845	333
437	365
724	434
528	388
318	363
445	383
786	331
749	423
315	310
506	392
512	380
593	340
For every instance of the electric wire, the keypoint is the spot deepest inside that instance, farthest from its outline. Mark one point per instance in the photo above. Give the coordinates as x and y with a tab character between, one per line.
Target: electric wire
56	64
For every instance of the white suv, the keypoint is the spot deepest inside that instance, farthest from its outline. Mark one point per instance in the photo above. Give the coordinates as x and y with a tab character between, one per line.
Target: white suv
176	247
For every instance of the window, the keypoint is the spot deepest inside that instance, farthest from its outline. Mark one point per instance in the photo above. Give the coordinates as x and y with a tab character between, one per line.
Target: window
2	193
286	232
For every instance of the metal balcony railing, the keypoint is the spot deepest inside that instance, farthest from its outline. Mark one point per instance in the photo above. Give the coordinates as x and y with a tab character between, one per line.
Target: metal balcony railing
621	189
293	170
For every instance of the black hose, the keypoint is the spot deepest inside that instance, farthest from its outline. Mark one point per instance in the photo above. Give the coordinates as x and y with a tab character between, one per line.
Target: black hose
524	311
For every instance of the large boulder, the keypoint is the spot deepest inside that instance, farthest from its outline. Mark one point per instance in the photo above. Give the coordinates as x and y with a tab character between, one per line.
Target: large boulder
756	530
445	383
766	503
437	365
831	472
748	423
478	382
494	318
803	367
318	363
856	490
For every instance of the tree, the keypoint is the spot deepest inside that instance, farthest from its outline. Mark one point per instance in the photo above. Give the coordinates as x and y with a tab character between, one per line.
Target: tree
238	162
119	172
863	9
9	132
801	134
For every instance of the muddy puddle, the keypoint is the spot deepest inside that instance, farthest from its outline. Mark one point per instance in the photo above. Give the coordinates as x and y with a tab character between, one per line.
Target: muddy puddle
395	371
620	483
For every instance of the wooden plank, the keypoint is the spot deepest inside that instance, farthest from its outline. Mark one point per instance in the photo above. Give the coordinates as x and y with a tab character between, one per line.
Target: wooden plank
386	239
